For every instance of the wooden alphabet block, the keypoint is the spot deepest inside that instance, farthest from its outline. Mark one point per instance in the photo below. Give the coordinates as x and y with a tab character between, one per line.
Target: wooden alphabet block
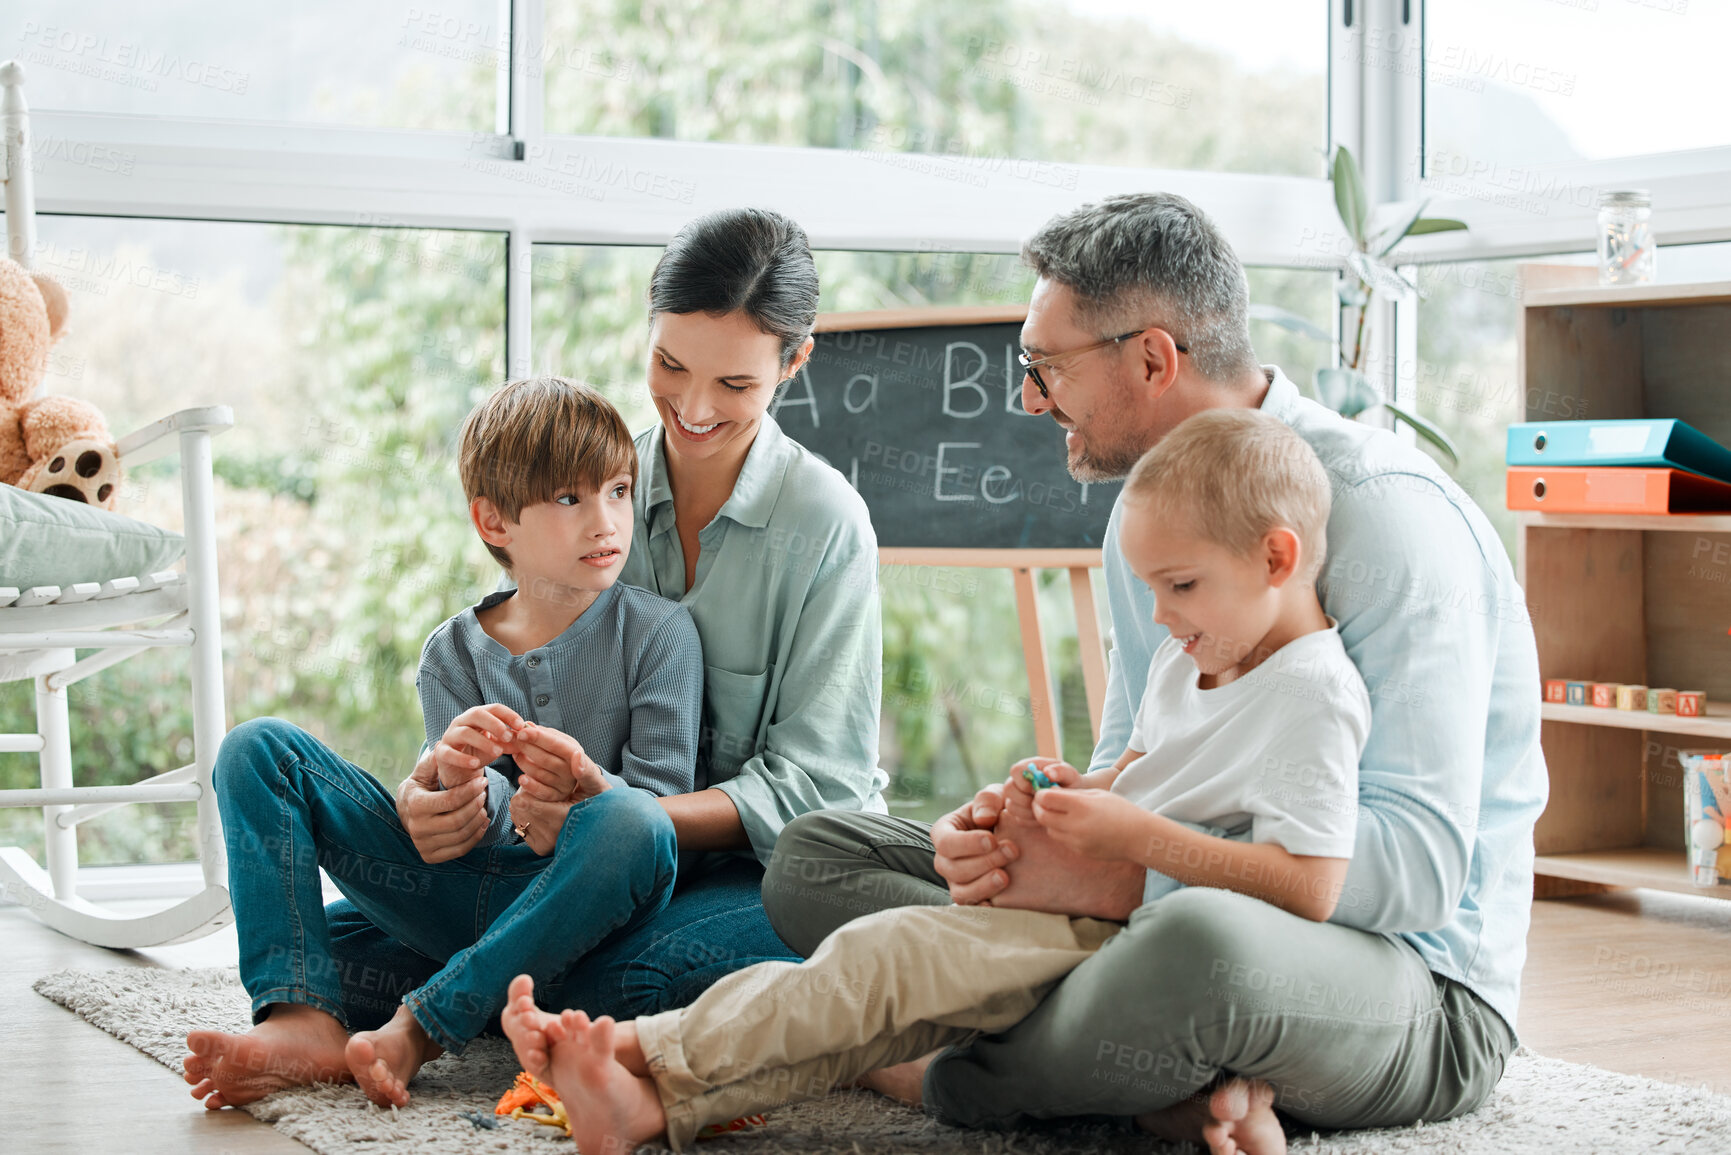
1691	703
1576	693
1631	697
1556	690
1661	701
1605	695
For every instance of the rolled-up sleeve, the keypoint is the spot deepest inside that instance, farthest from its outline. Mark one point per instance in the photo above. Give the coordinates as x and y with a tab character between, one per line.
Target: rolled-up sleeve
1420	612
820	745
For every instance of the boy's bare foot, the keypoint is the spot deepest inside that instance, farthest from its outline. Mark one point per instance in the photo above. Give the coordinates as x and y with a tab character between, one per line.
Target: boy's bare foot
294	1045
523	1021
1236	1118
611	1110
904	1082
383	1061
1048	876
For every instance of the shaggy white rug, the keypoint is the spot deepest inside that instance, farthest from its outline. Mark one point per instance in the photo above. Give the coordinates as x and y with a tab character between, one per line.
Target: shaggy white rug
1542	1105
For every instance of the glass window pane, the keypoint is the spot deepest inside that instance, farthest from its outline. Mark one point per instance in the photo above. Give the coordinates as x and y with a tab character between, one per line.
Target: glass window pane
1519	82
350	357
1468	371
1238	85
317	61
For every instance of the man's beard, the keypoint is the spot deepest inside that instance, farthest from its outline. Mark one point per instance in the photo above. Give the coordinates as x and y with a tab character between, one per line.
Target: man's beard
1094	463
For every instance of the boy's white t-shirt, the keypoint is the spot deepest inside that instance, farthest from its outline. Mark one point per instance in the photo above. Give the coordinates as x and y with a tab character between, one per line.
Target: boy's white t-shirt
1270	757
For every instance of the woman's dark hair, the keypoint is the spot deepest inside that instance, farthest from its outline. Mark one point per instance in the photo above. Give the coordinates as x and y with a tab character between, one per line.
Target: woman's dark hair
753	261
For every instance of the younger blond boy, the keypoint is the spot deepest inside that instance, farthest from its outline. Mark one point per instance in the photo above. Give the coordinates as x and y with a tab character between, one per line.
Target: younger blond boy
1242	774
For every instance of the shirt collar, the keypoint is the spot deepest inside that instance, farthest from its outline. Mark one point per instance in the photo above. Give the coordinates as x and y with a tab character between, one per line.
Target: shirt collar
754	492
1282	398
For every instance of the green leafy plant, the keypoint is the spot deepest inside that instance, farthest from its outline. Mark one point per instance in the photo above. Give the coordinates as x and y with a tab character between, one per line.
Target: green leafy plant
1345	388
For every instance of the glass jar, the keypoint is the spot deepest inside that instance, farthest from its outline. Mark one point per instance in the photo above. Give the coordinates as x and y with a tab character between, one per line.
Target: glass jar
1627	254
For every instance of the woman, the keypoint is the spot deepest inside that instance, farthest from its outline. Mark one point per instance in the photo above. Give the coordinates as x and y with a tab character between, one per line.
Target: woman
774	555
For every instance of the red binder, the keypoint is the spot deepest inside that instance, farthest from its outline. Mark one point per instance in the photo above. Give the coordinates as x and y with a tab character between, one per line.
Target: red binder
1578	489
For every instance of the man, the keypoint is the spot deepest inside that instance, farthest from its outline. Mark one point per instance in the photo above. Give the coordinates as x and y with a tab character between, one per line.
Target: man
1197	1020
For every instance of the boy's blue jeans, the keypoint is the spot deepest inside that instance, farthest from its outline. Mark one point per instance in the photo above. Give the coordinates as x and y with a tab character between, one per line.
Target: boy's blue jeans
451	935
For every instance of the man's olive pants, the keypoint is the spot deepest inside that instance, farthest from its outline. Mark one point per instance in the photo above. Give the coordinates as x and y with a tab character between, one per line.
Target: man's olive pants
1350	1028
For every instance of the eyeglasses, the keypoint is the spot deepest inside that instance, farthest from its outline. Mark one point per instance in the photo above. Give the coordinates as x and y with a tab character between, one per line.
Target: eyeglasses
1031	366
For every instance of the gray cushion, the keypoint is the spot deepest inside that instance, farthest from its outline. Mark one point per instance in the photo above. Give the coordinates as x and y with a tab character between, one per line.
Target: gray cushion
50	541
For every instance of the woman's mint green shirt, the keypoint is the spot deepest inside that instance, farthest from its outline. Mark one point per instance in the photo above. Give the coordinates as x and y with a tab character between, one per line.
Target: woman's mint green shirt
786	603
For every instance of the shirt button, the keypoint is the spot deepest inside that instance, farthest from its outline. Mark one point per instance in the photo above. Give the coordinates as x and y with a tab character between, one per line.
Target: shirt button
542	699
534	660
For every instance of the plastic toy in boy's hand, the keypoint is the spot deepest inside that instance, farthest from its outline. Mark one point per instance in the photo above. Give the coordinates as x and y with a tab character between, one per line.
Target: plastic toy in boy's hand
1040	781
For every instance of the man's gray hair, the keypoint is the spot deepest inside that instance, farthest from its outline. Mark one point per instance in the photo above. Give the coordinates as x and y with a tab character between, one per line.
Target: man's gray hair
1152	258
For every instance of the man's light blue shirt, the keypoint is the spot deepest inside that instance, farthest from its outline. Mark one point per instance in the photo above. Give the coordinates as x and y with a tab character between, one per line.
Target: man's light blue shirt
1452	778
786	602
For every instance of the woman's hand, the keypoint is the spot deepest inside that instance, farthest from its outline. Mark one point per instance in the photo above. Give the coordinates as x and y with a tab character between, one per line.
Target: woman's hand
969	856
443	824
539	819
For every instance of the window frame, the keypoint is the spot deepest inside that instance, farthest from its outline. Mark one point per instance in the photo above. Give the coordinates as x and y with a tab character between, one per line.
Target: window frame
521	180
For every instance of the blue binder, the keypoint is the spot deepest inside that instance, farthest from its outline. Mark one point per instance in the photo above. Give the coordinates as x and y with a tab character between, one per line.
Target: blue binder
1652	442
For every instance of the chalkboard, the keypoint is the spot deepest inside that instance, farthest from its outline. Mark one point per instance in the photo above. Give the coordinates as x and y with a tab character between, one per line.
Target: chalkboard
926	422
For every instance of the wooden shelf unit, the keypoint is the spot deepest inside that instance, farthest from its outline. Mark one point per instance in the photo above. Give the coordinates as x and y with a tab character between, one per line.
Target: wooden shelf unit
1626	598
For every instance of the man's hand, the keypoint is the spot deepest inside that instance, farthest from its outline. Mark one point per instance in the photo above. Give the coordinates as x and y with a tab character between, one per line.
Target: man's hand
969	856
443	824
540	820
555	768
1096	823
476	737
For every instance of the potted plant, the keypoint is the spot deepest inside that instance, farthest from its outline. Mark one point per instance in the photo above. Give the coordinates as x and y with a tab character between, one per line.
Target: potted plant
1345	388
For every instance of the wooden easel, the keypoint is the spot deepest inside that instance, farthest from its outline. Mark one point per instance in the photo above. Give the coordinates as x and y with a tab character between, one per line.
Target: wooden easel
1020	562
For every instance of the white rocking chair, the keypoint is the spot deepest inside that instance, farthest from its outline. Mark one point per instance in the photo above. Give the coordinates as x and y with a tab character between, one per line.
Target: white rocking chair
40	630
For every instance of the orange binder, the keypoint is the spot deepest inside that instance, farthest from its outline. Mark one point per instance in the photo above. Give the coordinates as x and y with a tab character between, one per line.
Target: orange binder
1581	489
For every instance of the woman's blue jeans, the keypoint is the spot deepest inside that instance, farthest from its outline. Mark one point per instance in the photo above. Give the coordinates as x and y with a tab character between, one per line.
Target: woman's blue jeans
598	923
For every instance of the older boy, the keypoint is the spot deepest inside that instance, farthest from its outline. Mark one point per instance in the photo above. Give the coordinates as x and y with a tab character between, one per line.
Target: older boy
584	693
1242	774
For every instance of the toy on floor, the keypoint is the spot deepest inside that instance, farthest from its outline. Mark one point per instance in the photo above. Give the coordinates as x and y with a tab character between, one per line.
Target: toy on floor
531	1099
54	445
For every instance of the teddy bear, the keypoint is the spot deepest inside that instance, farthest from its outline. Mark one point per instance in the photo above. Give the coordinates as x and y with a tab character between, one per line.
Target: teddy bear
54	445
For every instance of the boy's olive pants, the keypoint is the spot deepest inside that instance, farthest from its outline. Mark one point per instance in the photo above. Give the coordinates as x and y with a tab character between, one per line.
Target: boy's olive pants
881	990
1349	1027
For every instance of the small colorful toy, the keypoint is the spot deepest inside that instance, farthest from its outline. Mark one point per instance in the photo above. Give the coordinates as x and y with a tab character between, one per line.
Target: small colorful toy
529	1098
1631	697
1691	703
1605	695
1661	701
1040	781
1556	690
1576	693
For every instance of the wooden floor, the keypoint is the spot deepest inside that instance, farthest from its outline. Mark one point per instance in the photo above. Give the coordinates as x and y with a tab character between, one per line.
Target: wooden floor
1636	981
